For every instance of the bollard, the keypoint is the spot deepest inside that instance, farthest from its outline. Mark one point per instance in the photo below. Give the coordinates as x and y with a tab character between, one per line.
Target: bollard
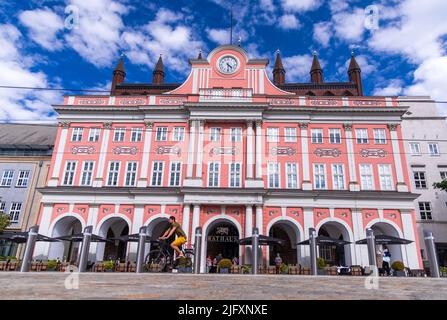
371	244
85	248
142	236
313	251
29	249
197	249
255	250
431	253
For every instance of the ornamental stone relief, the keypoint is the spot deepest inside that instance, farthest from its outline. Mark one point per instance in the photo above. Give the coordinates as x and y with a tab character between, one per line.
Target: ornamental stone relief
320	152
83	150
168	150
225	150
283	151
373	153
125	150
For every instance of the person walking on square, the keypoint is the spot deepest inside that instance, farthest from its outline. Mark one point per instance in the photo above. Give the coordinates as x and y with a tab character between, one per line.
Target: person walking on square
209	263
278	263
386	260
379	257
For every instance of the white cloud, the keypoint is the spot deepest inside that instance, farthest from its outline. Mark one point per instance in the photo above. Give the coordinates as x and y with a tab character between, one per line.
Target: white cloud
289	21
300	5
297	67
349	26
43	26
219	36
322	33
393	88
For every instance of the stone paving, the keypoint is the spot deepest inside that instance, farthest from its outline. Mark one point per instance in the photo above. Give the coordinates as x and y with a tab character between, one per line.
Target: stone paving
51	285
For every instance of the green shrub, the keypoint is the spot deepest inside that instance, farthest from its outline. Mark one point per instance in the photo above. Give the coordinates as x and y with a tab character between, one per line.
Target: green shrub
109	265
184	262
321	263
246	268
284	268
51	264
2	258
398	266
224	264
443	270
11	258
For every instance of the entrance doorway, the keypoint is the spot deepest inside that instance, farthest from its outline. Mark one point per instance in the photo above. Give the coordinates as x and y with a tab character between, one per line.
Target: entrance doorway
288	250
223	239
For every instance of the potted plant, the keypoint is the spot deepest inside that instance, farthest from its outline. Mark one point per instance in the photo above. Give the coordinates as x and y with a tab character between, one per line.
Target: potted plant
109	266
246	269
284	268
398	269
443	271
321	265
224	265
51	265
184	265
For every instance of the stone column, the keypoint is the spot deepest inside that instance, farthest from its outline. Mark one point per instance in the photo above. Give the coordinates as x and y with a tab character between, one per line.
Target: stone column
54	180
200	150
142	182
195	220
259	150
410	252
401	185
98	182
250	150
361	254
185	222
137	223
191	148
248	232
353	183
307	184
308	215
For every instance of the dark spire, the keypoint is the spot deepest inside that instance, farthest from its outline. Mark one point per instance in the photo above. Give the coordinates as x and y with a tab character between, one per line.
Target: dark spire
200	55
119	75
316	73
158	76
279	73
355	74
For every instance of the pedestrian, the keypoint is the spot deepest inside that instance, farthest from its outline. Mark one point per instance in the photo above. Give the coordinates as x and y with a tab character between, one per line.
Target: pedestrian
209	263
278	263
386	260
235	261
214	266
219	257
379	257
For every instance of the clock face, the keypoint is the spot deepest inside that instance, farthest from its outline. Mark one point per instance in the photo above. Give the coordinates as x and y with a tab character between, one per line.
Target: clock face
228	65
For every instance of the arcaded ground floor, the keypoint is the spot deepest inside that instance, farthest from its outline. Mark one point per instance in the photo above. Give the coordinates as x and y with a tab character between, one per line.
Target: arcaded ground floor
205	287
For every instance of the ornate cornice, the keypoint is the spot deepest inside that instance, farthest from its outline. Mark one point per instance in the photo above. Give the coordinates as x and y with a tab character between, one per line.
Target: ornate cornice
392	126
64	124
149	125
107	125
347	126
304	125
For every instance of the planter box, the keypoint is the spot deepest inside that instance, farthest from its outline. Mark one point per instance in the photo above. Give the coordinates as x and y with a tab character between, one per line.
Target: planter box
399	273
224	270
321	272
184	269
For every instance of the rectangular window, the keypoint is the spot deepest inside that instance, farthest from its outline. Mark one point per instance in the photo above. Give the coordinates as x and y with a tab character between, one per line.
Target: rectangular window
178	134
433	149
334	136
7	178
2	206
93	135
76	135
162	134
338	177
443	175
215	134
131	174
292	175
361	136
236	134
87	173
420	180
366	177
415	148
379	136
119	134
136	134
14	212
175	174
235	174
213	174
319	176
290	135
114	170
425	210
317	135
273	175
157	173
385	177
272	134
70	170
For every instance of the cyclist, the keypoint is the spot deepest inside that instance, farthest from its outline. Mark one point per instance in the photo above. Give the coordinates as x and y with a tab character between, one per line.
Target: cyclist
181	236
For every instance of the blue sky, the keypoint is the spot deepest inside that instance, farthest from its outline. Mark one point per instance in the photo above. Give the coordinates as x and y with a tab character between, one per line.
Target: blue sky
76	43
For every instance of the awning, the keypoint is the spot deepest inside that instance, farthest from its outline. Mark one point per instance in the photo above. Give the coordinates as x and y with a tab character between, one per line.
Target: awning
263	241
80	236
130	238
387	240
326	240
22	237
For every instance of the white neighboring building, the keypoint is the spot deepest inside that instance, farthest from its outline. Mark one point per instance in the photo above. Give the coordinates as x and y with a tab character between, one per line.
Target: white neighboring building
425	136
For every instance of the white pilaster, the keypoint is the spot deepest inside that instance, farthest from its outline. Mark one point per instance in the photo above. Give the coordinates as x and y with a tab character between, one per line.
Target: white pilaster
53	182
200	150
259	220
353	183
195	221
142	182
102	156
137	223
91	221
185	221
307	184
259	150
308	219
360	251
249	149
401	186
191	148
42	248
412	254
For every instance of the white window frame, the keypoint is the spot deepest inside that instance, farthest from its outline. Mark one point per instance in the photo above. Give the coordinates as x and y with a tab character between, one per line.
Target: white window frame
133	173
88	172
364	182
2	206
76	134
317	136
14	211
292	183
119	134
177	172
274	176
215	134
379	136
69	171
433	146
419	180
236	134
116	172
386	180
412	148
425	214
161	134
273	134
213	179
324	175
338	179
443	175
236	173
136	134
361	136
157	181
7	177
178	134
94	134
334	136
290	134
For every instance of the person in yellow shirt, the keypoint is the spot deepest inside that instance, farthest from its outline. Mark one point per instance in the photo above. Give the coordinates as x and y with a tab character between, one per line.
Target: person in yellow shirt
181	236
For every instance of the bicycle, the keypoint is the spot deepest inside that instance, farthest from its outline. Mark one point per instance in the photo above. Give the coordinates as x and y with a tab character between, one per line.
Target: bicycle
162	257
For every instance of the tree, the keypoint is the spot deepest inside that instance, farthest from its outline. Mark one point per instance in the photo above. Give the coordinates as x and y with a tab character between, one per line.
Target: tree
441	185
4	221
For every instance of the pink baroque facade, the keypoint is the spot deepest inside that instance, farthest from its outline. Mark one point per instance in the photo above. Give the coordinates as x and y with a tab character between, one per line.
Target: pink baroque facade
228	151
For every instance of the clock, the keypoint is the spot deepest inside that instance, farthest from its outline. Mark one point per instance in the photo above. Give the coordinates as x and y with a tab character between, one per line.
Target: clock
228	64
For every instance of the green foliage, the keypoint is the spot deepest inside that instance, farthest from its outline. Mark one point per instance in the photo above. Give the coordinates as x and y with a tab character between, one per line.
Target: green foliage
51	264
443	270
11	258
184	262
246	268
2	258
398	266
321	263
441	185
109	265
284	268
4	221
224	264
